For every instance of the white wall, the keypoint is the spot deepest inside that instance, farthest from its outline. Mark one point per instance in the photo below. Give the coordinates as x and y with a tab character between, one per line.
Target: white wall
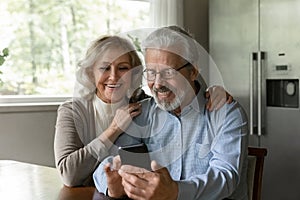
27	134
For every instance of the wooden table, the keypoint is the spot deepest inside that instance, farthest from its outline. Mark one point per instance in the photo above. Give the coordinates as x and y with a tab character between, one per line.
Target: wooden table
26	181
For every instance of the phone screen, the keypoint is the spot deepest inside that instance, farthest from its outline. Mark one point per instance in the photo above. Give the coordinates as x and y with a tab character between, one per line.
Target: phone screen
135	155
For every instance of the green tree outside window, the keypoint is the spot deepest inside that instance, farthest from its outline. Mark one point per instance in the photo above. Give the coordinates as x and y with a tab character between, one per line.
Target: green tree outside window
47	39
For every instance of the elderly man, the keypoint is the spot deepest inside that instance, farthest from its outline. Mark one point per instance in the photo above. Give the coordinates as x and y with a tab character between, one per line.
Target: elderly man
195	154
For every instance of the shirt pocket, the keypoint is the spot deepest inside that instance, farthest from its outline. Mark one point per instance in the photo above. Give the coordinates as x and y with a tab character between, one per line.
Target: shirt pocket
202	157
202	150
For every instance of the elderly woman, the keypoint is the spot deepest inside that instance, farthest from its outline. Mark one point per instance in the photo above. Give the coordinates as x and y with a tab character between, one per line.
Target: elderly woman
88	124
103	106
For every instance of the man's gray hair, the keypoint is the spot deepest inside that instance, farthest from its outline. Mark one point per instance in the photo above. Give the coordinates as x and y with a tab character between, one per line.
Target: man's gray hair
175	40
178	41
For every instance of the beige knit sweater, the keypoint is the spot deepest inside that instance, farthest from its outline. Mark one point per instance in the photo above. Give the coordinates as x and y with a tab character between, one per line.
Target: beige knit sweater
77	150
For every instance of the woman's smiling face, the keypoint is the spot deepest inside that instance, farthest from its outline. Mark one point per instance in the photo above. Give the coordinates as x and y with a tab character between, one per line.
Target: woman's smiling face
112	74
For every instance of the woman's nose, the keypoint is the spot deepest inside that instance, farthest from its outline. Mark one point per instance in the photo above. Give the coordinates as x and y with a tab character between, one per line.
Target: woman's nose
114	73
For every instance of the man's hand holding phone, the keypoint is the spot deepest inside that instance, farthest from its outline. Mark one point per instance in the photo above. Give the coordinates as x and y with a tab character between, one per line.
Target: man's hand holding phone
113	179
137	161
139	183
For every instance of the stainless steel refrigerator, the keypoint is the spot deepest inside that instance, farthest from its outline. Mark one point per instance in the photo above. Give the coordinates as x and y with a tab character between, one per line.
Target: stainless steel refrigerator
256	47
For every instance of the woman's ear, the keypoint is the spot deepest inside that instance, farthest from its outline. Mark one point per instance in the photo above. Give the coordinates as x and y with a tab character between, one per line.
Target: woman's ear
90	74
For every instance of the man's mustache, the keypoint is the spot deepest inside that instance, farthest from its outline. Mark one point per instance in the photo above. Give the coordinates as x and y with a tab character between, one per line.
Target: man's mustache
161	89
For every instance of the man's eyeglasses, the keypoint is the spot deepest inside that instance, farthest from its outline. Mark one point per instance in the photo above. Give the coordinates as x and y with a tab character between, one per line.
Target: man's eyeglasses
169	73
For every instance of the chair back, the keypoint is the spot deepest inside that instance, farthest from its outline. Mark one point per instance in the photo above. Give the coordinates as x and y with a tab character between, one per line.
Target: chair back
256	158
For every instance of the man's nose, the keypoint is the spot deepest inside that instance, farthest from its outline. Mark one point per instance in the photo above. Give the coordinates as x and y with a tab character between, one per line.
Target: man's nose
158	80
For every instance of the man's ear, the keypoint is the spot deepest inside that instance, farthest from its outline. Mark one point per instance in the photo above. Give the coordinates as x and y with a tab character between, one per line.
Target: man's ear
194	73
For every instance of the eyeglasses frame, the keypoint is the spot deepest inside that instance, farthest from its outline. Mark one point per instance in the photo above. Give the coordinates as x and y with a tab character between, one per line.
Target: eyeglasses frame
180	68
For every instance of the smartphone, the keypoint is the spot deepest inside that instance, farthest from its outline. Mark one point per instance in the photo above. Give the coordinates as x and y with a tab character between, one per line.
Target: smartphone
135	155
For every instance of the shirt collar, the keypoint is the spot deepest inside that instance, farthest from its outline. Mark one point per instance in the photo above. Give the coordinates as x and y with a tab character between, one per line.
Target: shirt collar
108	107
199	102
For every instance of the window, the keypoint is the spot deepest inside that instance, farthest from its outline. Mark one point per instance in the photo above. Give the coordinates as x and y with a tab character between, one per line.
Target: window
46	39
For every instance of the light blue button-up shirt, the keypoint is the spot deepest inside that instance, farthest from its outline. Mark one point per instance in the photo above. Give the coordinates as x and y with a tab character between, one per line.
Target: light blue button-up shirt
205	152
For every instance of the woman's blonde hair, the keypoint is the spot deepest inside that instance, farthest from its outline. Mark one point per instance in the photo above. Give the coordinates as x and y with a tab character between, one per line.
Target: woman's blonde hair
85	86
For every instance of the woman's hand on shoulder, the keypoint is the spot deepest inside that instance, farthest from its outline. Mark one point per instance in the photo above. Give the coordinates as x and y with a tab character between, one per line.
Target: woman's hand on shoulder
125	114
217	96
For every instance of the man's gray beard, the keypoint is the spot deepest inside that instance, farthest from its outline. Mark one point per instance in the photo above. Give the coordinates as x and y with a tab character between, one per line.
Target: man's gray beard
169	106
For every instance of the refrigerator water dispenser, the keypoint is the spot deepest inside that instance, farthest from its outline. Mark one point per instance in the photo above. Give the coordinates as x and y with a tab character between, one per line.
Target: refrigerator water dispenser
283	93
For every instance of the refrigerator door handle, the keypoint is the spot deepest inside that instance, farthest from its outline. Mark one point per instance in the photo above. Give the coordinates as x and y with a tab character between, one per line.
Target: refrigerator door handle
257	65
253	65
259	79
260	91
